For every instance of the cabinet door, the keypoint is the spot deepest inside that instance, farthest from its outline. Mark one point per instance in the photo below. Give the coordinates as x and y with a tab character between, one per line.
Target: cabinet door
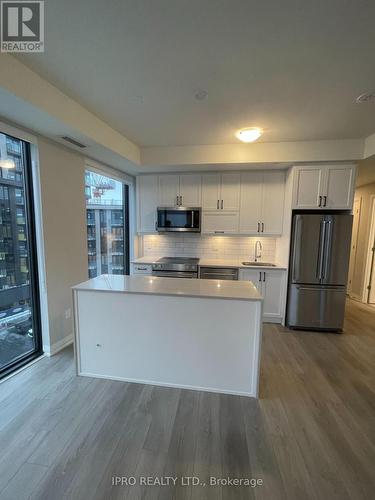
273	203
250	202
253	275
210	191
273	289
169	189
147	202
230	192
190	190
339	187
220	222
308	187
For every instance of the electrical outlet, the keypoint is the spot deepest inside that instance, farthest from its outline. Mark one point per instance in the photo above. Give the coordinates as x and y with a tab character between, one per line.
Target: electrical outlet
68	313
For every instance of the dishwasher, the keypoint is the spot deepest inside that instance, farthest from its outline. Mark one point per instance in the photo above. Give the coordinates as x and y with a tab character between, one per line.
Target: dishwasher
218	273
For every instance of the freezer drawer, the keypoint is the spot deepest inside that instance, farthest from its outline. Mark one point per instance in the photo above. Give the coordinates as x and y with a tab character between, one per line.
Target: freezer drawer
316	307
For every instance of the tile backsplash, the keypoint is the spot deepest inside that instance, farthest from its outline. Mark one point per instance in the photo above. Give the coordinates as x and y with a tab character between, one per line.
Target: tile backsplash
211	247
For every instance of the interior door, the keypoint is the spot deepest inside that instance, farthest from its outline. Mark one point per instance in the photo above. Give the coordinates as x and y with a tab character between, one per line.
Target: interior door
210	191
251	202
353	249
338	230
190	190
307	248
230	192
169	190
273	202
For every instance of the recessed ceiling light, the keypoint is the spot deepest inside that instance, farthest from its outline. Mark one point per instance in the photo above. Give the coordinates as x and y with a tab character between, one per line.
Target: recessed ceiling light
250	134
367	97
7	164
201	95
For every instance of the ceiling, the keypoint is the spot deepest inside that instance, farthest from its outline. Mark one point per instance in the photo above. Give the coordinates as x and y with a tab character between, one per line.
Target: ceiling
292	67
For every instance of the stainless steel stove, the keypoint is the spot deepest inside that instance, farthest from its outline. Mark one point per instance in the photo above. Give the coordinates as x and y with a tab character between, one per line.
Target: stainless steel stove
176	267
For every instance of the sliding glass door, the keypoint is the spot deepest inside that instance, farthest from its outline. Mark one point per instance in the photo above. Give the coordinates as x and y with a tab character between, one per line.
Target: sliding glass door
107	225
20	333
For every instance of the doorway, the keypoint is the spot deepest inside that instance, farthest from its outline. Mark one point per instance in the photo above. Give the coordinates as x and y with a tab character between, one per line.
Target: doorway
370	274
354	242
20	331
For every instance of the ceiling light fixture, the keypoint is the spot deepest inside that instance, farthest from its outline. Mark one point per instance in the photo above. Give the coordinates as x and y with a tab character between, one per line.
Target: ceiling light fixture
7	164
201	95
367	97
250	134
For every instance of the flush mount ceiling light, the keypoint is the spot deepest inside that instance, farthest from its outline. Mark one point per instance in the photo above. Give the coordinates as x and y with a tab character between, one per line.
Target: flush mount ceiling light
201	95
7	164
250	134
367	97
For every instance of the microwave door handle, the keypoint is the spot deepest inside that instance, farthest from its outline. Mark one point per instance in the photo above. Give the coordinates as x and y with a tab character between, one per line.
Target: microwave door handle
192	218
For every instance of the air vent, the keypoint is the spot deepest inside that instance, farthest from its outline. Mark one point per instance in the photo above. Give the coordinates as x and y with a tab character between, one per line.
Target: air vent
73	141
366	98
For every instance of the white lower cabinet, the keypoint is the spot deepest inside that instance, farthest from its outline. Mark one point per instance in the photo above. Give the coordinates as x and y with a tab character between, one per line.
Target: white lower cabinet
271	284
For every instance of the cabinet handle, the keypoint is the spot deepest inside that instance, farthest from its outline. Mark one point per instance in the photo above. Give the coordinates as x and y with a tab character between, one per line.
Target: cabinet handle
181	200
156	225
262	227
177	201
325	201
264	276
222	204
219	232
320	201
258	227
218	204
260	276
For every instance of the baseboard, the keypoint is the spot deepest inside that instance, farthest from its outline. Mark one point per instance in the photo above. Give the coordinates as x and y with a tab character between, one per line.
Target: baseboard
59	346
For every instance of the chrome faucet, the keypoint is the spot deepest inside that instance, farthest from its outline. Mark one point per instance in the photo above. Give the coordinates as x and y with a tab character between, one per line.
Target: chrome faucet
258	253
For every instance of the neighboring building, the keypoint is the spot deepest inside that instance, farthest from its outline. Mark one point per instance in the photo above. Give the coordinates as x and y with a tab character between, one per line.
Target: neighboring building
105	225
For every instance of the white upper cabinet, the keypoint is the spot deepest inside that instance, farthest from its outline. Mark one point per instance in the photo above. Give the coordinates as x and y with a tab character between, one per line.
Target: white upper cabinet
230	192
220	222
190	190
169	190
324	186
273	202
180	190
251	202
211	190
262	202
147	202
221	192
339	188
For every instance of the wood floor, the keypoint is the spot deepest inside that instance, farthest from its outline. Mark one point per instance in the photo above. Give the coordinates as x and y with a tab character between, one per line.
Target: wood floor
311	435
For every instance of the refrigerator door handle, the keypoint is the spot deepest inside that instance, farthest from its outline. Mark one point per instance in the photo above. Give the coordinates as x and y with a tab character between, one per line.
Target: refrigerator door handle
319	266
296	256
327	248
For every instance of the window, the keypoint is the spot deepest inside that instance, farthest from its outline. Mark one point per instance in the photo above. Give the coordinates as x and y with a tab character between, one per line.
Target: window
20	333
107	219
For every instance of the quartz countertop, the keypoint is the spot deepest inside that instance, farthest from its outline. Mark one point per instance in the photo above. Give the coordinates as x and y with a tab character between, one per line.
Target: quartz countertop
203	262
150	285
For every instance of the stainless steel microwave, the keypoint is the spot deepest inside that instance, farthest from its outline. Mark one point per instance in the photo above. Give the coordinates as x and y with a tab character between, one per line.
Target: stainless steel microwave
186	219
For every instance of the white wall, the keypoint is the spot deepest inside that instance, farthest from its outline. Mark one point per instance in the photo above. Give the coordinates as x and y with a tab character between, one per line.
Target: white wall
64	231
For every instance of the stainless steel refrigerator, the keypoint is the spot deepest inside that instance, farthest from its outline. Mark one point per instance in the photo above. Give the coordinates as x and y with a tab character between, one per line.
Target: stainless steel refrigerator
319	265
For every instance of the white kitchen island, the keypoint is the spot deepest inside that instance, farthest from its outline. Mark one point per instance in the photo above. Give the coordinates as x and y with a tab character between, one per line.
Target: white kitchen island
188	333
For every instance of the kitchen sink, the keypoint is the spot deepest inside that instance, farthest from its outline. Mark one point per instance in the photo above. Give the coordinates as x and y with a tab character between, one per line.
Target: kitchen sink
267	264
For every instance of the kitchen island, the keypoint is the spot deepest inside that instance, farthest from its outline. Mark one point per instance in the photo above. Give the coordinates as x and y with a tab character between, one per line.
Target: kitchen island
187	333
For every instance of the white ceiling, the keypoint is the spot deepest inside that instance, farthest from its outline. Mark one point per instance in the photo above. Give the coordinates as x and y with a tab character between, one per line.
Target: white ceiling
293	67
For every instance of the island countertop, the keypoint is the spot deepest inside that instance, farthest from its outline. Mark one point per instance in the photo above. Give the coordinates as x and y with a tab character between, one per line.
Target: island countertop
151	285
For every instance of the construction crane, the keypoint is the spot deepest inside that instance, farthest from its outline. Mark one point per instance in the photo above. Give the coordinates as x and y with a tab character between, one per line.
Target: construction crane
97	184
